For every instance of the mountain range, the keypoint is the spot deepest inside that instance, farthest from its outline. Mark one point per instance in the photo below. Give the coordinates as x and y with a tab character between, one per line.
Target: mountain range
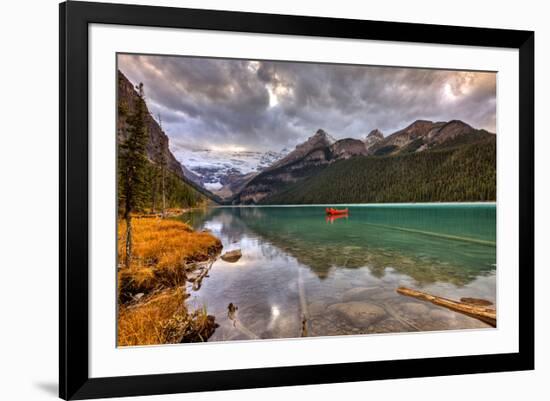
423	162
323	165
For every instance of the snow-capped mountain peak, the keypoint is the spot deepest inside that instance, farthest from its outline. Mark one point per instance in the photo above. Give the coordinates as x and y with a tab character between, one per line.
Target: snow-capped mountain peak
216	168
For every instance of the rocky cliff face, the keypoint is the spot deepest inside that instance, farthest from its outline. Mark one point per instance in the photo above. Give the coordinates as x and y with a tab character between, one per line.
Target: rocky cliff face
373	138
346	148
422	135
452	130
313	148
158	141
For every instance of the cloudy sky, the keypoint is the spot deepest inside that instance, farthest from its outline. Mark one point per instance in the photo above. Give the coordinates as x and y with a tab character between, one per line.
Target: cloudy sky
268	105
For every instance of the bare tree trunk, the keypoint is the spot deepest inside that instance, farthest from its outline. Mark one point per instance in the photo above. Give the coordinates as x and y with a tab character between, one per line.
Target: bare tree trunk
163	193
128	219
154	200
483	313
163	149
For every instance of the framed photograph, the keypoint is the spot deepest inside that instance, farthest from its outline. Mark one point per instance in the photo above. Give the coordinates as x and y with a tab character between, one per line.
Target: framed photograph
254	200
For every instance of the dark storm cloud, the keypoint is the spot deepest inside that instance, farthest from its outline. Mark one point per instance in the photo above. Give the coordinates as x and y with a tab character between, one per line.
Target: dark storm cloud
269	105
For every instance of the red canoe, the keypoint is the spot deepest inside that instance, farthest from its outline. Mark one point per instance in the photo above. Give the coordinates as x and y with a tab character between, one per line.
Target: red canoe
332	212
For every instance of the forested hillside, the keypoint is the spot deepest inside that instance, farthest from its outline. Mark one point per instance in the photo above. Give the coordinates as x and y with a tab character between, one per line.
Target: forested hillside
147	170
465	173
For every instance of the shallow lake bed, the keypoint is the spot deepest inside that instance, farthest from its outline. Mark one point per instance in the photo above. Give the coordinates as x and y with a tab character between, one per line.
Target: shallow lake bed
302	273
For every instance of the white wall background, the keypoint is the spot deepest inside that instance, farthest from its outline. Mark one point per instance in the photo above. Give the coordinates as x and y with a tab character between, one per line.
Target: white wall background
29	201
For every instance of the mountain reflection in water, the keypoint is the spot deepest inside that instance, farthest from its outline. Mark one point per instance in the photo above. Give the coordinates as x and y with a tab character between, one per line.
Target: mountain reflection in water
301	268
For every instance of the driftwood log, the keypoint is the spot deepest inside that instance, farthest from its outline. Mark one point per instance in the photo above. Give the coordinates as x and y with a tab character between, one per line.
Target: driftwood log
485	314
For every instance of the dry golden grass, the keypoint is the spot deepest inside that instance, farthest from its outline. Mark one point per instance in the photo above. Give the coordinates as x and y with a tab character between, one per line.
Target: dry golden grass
142	325
163	319
161	249
169	211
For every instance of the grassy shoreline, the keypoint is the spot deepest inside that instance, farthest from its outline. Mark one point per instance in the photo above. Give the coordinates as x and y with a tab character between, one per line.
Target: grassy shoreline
151	290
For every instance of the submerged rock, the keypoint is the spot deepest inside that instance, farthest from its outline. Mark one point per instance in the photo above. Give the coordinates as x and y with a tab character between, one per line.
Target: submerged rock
441	314
382	295
232	256
316	308
358	314
476	301
389	325
357	294
414	308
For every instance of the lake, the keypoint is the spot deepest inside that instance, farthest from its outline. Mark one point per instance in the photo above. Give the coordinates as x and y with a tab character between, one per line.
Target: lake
304	274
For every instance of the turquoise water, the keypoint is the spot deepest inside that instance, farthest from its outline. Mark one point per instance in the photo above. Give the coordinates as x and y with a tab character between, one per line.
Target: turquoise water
302	273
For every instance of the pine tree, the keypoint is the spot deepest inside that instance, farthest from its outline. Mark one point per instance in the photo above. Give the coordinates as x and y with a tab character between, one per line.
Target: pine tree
154	188
133	166
163	147
162	162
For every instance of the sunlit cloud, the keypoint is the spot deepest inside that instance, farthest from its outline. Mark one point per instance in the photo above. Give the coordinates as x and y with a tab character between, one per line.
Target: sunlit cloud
227	148
267	105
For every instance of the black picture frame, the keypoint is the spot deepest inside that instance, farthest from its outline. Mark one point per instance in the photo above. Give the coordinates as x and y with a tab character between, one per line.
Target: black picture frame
74	379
